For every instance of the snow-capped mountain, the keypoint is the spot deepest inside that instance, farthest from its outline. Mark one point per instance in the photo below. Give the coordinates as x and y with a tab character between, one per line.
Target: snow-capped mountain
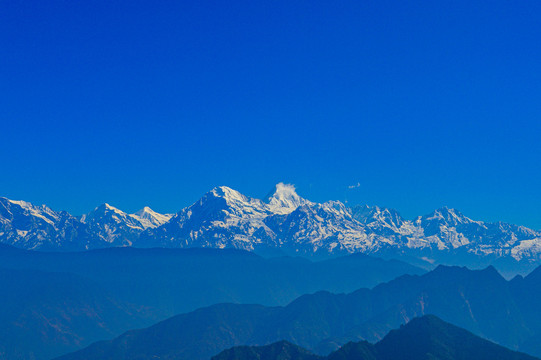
381	221
225	218
319	228
448	230
38	227
149	218
222	218
112	225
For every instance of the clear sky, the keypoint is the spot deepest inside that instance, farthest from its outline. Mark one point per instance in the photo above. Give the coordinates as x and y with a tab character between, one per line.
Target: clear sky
421	103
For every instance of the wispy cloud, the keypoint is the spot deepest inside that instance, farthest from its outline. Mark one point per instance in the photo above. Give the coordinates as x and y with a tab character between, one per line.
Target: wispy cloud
354	186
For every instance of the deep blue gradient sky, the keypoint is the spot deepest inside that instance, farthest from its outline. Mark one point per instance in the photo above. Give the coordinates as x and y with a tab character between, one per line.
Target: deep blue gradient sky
424	103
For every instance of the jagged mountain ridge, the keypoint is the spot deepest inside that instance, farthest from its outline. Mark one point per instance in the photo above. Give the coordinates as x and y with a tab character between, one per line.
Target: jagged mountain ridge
115	227
225	218
27	226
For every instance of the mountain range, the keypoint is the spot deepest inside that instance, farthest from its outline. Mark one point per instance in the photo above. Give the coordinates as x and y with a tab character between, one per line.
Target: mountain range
423	338
283	221
56	302
27	226
480	301
44	314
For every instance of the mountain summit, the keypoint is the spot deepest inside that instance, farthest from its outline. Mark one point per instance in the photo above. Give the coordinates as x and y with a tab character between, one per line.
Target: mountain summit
150	218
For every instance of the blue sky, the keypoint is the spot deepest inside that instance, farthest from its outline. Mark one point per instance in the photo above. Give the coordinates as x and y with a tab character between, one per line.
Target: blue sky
423	104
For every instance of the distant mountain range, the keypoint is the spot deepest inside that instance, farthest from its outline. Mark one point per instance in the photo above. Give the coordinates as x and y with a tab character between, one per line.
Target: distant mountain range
423	338
45	314
225	218
480	301
52	303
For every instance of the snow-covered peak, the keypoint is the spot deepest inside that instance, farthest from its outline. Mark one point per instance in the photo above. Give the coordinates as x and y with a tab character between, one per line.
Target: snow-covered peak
112	225
151	219
145	211
448	216
336	206
228	194
108	207
23	204
224	201
103	212
42	212
375	216
284	199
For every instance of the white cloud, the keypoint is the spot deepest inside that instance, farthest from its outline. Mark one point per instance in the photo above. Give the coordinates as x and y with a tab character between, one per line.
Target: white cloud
354	186
285	187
